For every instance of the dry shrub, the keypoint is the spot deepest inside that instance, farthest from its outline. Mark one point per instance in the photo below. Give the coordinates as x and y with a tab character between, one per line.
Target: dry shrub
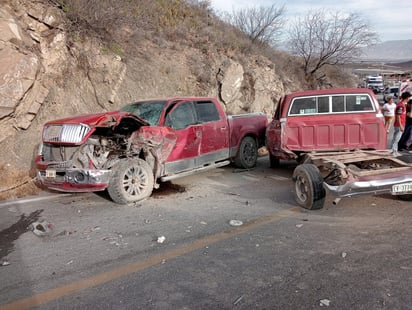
191	23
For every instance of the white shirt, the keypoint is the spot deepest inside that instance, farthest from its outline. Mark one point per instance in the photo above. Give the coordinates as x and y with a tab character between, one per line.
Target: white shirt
389	109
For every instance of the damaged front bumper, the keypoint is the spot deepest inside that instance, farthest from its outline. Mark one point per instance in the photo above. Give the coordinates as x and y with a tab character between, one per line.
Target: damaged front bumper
74	180
401	185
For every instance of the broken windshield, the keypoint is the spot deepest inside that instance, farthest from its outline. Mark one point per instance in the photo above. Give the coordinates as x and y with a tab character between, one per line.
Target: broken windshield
148	110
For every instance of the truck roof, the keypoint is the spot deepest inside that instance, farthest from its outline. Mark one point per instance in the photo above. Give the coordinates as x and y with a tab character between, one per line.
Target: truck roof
177	98
331	91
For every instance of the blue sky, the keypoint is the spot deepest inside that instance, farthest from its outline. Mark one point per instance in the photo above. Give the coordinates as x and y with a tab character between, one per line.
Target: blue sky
391	20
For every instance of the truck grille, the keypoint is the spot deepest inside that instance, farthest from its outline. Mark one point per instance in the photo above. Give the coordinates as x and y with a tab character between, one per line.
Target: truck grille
66	133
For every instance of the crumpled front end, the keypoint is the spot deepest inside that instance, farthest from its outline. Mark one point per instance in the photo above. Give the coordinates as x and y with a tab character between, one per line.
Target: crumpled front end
74	180
156	143
62	176
77	157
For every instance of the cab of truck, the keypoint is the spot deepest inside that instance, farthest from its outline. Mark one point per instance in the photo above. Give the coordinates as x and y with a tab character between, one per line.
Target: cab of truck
325	120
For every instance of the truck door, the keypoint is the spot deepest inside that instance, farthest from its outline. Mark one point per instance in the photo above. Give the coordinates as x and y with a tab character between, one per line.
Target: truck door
215	132
182	118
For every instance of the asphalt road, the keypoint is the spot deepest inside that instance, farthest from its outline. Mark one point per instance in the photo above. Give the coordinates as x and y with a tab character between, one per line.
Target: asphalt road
99	255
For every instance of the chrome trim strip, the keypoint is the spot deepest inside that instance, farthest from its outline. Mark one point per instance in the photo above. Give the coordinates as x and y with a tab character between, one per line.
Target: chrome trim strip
366	187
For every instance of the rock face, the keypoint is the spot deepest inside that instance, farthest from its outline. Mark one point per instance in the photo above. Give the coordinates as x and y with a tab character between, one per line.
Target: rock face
44	77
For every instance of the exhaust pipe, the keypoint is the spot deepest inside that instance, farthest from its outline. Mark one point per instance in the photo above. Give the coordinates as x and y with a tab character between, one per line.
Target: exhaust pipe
336	201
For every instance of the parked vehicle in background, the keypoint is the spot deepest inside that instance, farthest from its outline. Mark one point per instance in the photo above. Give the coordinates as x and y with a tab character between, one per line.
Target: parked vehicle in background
128	152
391	91
405	86
375	83
339	139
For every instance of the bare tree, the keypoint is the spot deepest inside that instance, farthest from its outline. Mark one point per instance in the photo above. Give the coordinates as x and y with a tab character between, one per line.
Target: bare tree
261	24
325	38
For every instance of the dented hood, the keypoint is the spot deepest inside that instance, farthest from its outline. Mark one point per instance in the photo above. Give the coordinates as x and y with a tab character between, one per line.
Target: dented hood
105	119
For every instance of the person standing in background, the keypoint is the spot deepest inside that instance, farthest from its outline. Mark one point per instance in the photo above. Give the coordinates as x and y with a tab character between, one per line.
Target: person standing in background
388	110
400	120
406	138
408	122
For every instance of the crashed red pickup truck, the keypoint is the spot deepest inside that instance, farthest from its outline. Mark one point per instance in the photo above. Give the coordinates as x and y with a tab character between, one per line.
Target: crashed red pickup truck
130	151
339	139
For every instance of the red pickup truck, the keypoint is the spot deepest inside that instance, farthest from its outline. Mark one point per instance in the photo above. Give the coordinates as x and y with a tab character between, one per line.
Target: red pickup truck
339	140
128	152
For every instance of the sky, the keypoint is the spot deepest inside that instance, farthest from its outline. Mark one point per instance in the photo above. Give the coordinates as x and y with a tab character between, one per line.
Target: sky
391	20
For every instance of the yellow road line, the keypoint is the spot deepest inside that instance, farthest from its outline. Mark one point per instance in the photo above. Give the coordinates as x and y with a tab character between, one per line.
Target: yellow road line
53	294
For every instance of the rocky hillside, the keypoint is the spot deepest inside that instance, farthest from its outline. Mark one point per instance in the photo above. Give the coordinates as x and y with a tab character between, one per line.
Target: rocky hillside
49	71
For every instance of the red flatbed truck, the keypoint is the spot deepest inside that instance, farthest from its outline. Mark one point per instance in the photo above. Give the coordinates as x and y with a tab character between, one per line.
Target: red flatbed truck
338	138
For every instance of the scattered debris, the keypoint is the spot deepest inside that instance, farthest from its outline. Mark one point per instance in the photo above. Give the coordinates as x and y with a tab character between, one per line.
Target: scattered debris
203	223
4	263
324	303
88	230
299	225
116	240
42	228
344	254
238	300
233	194
161	239
235	223
13	209
69	262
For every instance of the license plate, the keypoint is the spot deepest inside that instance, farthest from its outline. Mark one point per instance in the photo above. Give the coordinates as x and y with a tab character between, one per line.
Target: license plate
50	173
402	188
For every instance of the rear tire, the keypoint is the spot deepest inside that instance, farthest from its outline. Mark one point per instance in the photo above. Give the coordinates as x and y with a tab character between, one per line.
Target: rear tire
132	180
309	191
247	154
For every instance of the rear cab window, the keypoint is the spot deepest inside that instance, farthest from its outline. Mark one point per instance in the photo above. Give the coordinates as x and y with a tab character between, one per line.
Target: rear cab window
347	103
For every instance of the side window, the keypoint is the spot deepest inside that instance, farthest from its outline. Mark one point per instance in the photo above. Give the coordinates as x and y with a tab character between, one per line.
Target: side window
338	104
207	111
182	116
303	106
323	104
358	103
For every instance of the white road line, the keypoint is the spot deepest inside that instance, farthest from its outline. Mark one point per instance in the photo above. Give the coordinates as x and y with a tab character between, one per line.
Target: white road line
32	199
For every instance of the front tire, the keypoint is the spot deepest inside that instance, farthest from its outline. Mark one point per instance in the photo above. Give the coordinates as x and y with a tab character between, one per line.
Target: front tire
247	154
309	191
132	180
